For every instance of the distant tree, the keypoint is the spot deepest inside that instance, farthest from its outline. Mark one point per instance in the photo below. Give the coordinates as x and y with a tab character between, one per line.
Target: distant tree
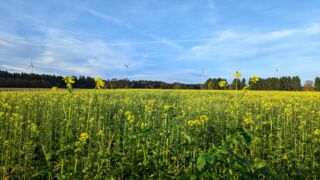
178	86
243	83
213	83
308	86
236	83
317	83
210	84
296	83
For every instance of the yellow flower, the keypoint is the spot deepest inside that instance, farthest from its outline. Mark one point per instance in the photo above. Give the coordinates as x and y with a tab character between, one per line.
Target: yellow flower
84	137
198	122
316	132
204	118
100	133
130	116
150	106
7	106
167	107
191	122
69	80
268	106
254	79
223	84
100	83
237	74
91	120
143	125
248	119
33	127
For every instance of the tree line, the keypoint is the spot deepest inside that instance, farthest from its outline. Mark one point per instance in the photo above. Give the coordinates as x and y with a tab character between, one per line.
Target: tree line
285	83
25	80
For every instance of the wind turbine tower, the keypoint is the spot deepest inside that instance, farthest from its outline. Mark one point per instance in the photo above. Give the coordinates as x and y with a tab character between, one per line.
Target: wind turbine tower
127	67
31	66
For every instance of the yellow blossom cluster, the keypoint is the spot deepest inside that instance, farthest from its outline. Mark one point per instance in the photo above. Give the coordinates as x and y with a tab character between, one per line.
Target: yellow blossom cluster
84	137
167	107
69	80
198	122
316	132
143	125
100	133
33	127
248	119
223	84
254	79
100	83
130	116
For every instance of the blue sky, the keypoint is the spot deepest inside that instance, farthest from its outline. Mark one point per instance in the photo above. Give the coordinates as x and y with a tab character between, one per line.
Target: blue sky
167	40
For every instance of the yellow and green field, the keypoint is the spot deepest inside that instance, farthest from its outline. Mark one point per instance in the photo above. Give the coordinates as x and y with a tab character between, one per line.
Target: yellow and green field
159	134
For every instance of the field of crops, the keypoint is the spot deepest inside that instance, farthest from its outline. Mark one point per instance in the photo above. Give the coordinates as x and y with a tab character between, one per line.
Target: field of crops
166	134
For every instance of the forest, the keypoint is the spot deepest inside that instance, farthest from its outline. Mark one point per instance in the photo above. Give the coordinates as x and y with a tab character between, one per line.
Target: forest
26	80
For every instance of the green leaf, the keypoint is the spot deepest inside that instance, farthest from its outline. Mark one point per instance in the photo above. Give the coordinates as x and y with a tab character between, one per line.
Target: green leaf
188	138
210	158
201	161
246	137
263	170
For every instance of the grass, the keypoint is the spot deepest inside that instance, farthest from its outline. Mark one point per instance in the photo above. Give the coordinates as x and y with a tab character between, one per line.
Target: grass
152	134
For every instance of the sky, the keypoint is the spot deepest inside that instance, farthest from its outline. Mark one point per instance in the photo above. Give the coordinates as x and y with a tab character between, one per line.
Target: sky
167	40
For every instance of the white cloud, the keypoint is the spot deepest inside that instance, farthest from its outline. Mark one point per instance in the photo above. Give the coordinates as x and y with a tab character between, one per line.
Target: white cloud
60	52
313	30
244	44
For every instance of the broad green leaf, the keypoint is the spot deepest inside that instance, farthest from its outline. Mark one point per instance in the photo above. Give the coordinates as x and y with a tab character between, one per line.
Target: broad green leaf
201	162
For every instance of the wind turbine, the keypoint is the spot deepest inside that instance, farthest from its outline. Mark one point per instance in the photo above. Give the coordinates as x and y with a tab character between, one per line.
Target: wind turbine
127	67
31	66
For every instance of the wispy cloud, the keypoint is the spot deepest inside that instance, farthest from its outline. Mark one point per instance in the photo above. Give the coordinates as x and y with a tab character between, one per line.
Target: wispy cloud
108	18
123	24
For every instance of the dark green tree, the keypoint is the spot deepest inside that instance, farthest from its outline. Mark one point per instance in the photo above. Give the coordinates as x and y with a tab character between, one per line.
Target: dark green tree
317	84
